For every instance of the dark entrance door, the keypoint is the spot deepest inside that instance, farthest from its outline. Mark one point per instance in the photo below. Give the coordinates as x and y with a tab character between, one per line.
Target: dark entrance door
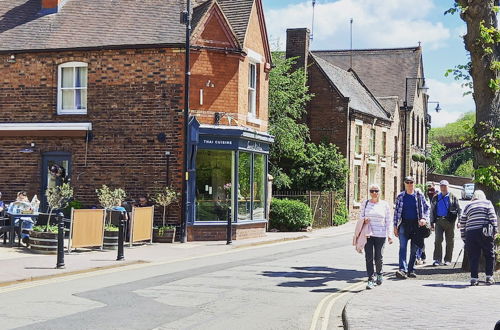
50	179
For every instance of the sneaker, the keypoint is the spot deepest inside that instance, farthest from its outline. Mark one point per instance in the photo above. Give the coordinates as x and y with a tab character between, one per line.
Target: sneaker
490	280
447	263
419	262
370	285
474	282
423	262
436	263
412	274
379	279
401	274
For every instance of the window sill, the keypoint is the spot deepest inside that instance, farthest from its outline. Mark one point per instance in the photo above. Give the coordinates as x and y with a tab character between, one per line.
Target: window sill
356	205
71	112
358	156
253	120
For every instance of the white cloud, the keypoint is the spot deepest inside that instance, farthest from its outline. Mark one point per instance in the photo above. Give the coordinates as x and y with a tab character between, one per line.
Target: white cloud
377	24
451	100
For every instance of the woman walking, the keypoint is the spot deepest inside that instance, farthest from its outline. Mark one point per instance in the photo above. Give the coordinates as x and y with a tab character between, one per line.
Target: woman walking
478	226
376	212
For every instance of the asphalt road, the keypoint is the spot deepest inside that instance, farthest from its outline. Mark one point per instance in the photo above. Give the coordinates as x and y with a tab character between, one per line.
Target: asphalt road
276	286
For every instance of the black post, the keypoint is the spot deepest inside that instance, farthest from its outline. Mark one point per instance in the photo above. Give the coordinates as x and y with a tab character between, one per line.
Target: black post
121	231
187	18
60	241
229	227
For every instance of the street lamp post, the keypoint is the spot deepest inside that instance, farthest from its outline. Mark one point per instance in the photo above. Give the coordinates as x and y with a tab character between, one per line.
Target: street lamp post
186	17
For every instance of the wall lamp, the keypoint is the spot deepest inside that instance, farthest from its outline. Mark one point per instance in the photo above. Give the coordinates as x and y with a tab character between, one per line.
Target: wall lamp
438	107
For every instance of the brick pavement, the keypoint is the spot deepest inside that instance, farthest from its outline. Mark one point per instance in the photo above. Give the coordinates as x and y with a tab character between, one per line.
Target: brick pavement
419	304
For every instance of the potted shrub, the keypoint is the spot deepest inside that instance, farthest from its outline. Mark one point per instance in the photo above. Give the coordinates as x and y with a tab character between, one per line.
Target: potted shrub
109	198
165	233
43	239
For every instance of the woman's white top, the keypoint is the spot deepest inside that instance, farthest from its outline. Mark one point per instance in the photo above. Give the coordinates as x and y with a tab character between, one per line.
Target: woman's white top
379	215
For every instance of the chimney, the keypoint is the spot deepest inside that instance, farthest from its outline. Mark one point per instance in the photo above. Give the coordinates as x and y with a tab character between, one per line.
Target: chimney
51	6
297	45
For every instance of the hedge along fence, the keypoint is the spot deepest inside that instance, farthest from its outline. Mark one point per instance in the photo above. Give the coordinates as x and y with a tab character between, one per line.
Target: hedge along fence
289	215
328	208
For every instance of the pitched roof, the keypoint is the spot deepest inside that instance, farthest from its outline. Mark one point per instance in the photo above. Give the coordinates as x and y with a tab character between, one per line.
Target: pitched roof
98	23
238	13
349	85
389	103
384	71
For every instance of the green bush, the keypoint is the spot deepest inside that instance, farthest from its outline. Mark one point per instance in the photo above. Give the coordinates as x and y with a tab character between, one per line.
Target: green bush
110	227
46	229
341	215
289	215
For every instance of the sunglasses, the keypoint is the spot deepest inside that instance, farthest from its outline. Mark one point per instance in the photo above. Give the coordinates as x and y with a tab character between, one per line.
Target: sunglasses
374	191
409	182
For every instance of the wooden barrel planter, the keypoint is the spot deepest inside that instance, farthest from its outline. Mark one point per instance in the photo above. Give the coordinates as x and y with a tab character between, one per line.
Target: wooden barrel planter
110	240
167	237
43	242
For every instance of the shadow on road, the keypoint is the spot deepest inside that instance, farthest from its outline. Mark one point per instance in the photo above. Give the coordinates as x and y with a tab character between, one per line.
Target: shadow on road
450	286
316	277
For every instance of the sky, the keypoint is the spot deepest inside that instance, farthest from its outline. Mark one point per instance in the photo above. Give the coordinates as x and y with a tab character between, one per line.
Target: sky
385	24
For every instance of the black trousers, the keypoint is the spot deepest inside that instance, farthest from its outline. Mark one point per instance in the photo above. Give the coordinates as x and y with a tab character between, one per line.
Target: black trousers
475	242
373	251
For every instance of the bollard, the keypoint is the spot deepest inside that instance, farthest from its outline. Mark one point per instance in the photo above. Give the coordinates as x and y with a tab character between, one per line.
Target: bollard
60	241
229	227
121	233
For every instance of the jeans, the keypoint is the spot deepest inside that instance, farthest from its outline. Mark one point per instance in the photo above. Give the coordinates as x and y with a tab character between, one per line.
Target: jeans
447	228
475	243
26	226
374	244
403	247
421	253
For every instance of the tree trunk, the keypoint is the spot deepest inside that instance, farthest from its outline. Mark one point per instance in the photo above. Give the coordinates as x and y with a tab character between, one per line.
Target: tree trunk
487	100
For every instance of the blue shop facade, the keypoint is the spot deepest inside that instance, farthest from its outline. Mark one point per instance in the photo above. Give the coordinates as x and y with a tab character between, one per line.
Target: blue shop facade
228	178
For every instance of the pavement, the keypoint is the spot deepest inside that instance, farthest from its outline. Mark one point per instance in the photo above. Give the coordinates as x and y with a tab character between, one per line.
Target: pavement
21	265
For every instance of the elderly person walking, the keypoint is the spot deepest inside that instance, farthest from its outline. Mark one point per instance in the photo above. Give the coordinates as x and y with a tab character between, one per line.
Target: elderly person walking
478	226
376	212
410	213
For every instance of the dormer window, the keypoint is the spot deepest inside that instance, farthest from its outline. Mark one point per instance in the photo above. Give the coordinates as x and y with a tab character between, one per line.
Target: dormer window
72	88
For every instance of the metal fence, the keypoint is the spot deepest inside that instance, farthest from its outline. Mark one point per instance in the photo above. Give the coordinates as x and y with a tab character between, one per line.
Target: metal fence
322	204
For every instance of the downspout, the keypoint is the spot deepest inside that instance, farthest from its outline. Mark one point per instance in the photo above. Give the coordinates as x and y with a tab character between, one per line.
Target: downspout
348	156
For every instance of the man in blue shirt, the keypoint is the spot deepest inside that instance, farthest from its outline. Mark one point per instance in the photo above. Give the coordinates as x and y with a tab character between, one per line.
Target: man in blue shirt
444	212
411	212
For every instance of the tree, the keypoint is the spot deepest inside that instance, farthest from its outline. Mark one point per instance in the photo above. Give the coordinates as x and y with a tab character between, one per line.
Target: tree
322	168
288	96
482	41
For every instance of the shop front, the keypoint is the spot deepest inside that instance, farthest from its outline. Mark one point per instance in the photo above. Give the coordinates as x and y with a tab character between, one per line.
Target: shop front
229	181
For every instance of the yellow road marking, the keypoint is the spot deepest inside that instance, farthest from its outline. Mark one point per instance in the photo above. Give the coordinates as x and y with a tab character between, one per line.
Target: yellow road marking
331	298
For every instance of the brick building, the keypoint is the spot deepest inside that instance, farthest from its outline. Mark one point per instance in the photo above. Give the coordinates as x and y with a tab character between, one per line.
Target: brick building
362	108
97	87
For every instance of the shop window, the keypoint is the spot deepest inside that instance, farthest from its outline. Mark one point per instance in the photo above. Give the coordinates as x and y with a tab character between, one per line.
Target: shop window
244	184
72	88
214	173
259	187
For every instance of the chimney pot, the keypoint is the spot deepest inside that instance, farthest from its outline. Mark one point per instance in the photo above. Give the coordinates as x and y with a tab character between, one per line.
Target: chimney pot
51	6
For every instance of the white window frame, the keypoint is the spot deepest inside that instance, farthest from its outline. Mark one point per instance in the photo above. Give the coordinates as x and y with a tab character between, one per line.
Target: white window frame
60	110
372	143
252	91
356	137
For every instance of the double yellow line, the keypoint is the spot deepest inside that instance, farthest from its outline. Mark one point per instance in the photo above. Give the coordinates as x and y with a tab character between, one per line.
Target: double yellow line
323	314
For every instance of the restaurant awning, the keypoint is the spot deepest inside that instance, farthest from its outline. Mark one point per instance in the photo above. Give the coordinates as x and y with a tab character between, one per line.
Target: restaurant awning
45	129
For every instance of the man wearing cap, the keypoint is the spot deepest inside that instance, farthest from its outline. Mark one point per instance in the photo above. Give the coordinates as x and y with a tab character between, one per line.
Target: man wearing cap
410	213
444	212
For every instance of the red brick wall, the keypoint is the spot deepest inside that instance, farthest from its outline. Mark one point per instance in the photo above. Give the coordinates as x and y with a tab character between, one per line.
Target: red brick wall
219	233
132	96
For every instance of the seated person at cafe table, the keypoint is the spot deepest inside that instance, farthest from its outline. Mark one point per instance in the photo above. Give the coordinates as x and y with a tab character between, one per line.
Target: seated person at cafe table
2	205
19	206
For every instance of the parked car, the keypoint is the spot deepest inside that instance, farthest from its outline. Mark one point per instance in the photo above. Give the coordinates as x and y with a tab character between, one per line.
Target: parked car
468	191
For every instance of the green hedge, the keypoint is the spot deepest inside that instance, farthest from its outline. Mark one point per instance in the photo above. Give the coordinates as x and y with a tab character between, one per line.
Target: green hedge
289	215
341	213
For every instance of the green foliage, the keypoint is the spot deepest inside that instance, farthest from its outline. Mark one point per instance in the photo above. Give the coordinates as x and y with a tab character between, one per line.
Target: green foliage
163	229
74	204
453	132
165	197
58	197
289	215
465	169
322	168
110	227
341	215
45	229
461	73
108	198
434	161
288	96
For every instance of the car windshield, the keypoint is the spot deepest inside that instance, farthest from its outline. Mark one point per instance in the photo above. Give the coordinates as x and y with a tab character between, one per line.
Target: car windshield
469	187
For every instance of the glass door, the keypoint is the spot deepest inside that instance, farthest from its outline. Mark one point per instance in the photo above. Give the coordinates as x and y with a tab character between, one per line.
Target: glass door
56	169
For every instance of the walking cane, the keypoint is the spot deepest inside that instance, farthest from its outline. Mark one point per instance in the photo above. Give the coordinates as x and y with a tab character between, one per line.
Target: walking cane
458	257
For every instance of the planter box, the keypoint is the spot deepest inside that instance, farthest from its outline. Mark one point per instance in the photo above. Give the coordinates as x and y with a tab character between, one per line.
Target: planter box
167	237
42	242
110	240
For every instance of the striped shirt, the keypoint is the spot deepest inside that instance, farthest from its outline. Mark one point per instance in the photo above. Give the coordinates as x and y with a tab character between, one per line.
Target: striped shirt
380	217
477	214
